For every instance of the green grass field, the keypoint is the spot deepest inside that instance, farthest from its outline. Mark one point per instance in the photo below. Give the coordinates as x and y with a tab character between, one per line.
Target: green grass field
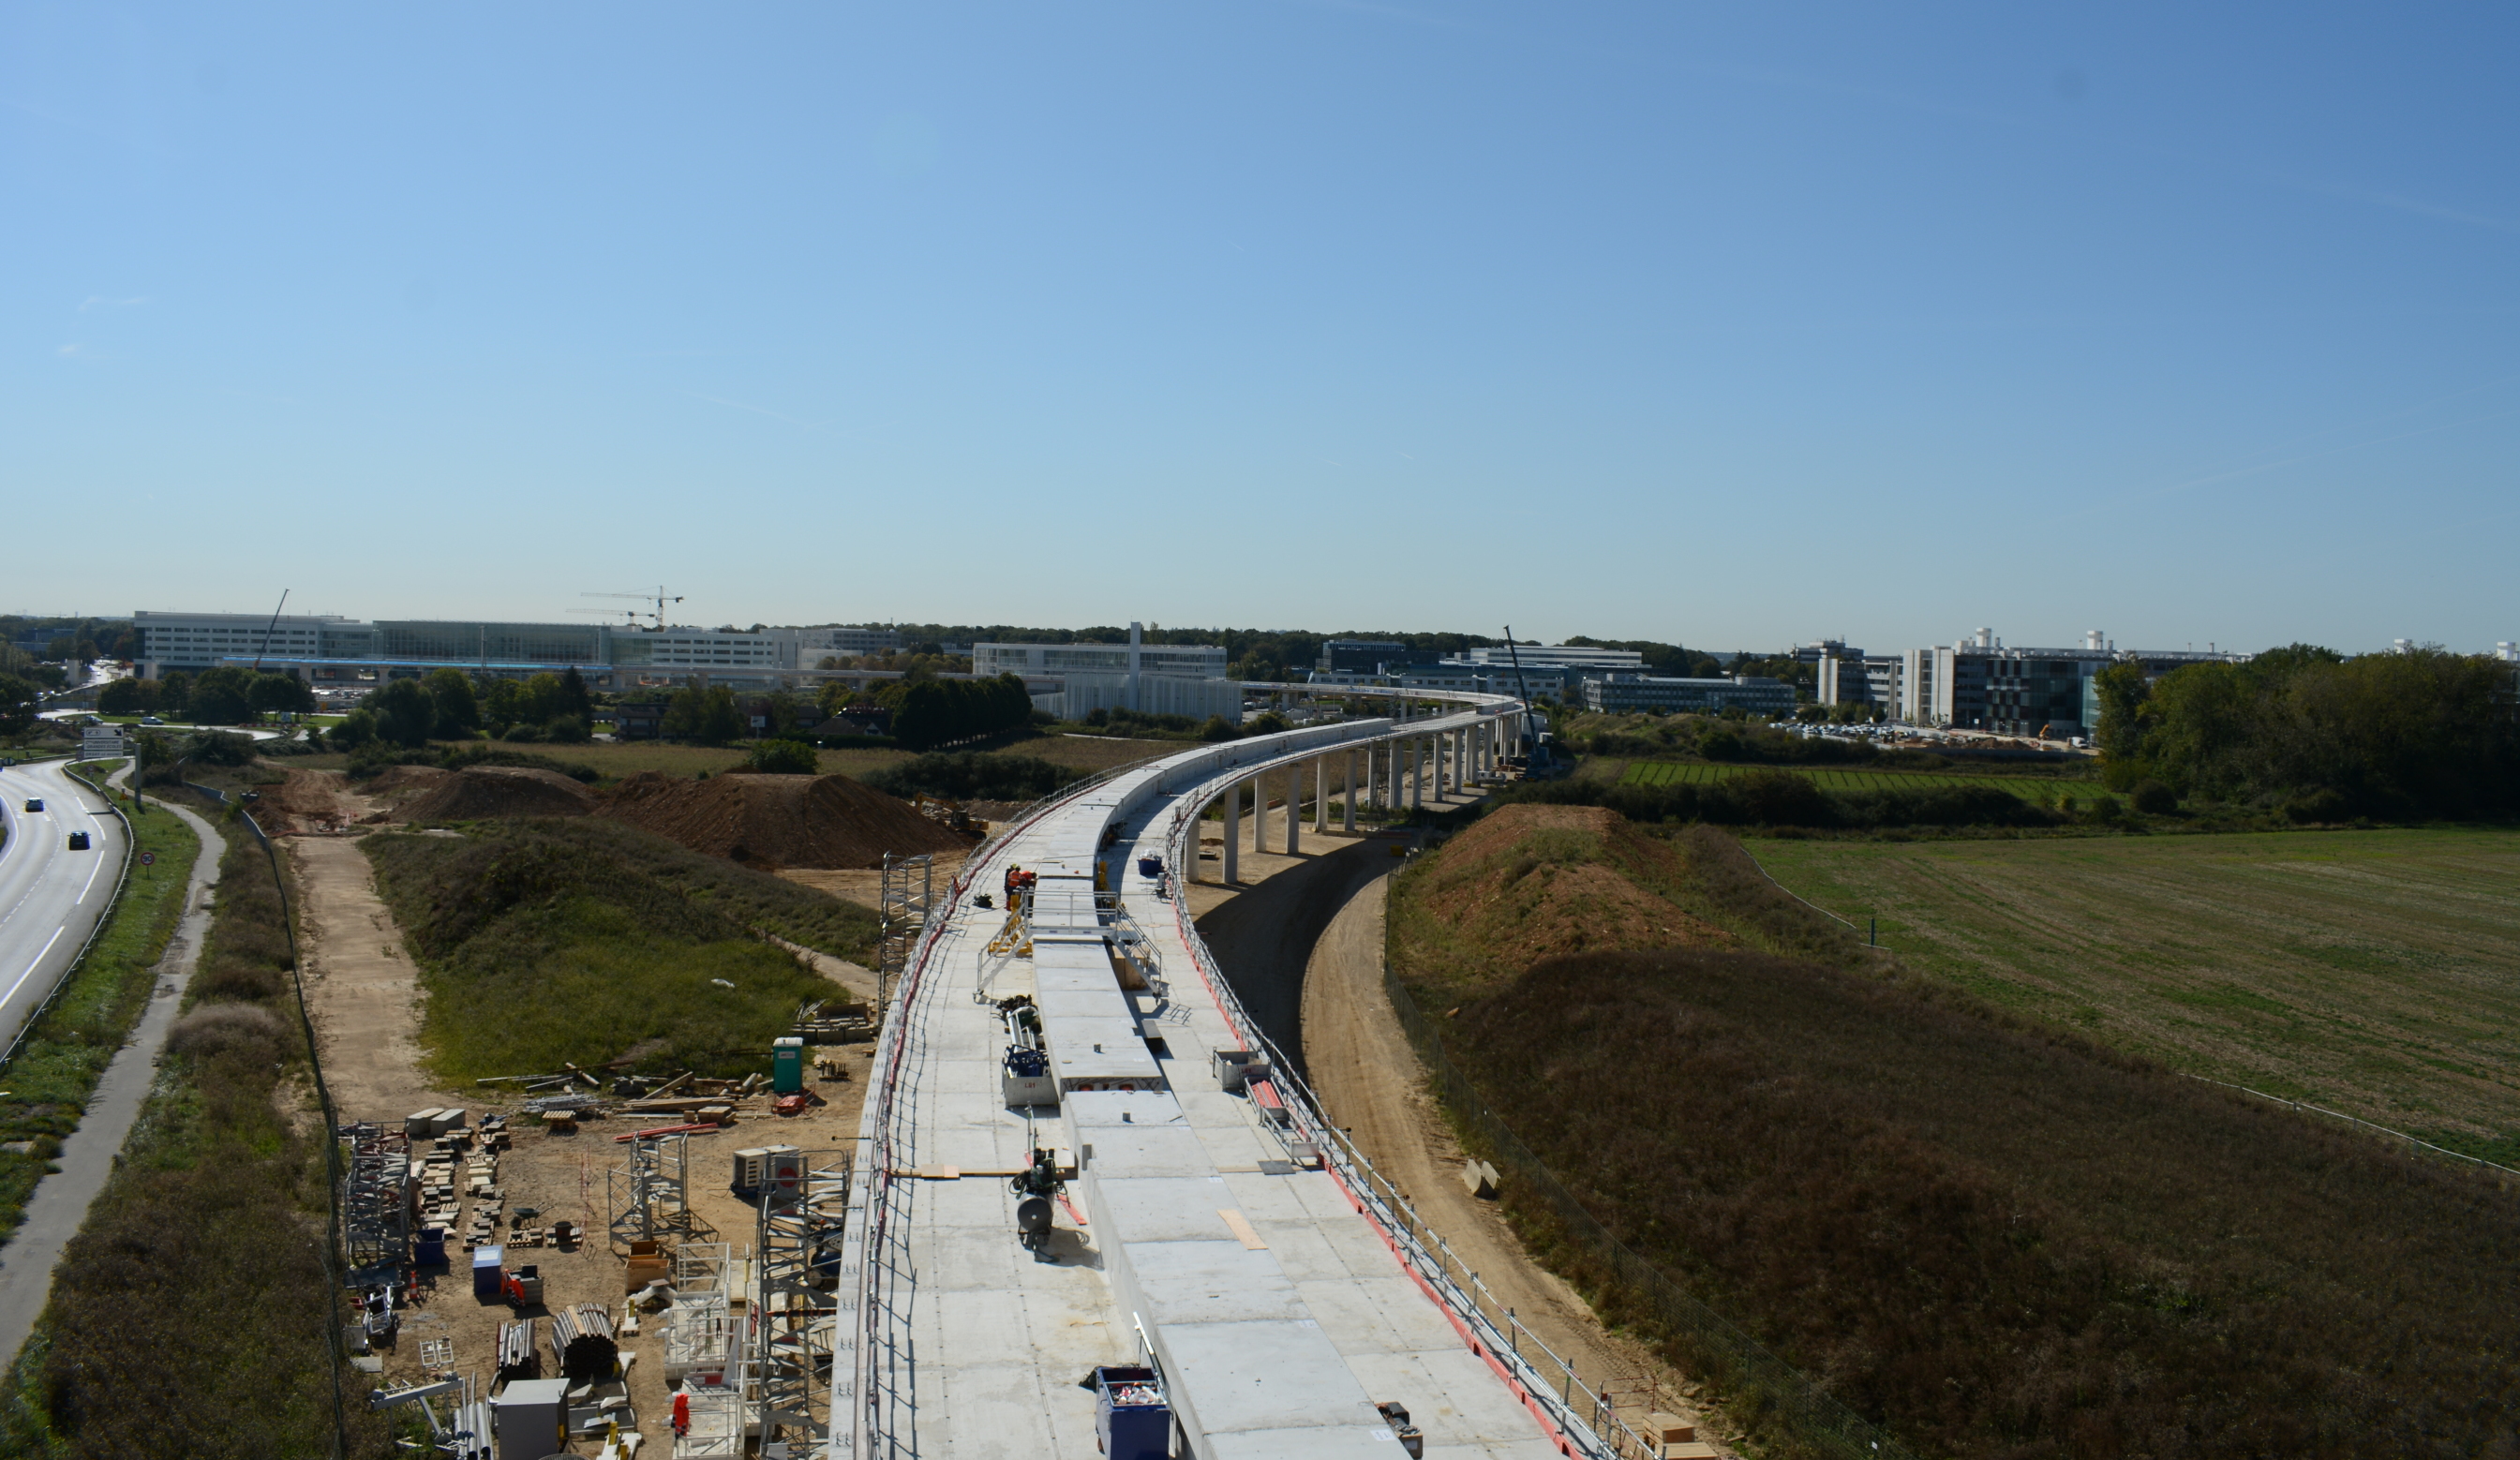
2041	790
2373	972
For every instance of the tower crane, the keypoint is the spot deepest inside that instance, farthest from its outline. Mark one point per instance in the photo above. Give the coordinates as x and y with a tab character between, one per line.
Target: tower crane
659	598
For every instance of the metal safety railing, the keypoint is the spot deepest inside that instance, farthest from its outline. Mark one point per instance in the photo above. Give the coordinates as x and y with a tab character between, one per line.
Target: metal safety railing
1583	1415
867	1275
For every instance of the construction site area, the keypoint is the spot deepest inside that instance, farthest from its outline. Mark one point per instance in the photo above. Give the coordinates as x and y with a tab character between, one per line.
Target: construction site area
602	1254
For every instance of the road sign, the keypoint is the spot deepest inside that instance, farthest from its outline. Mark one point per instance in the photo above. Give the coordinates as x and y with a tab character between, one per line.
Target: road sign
148	859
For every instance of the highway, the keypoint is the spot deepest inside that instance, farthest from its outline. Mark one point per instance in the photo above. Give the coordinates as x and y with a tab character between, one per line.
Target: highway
49	896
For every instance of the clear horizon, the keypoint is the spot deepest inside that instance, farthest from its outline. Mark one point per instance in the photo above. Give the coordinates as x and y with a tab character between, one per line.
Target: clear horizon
1732	329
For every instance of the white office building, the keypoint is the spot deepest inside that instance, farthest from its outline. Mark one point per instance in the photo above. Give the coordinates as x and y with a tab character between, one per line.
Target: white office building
1575	656
1166	679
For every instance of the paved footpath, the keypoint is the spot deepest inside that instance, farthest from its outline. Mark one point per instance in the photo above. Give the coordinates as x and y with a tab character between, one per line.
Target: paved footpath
59	1208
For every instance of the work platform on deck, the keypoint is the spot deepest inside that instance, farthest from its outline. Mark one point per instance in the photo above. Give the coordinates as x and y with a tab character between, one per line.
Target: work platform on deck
1277	1312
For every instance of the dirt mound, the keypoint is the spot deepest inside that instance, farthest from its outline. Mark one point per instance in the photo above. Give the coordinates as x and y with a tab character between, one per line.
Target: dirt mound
477	791
1535	882
775	821
394	780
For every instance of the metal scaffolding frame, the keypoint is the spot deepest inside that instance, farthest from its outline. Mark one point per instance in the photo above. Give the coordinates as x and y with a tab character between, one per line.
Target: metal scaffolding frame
705	1350
376	1197
650	1198
796	1253
908	892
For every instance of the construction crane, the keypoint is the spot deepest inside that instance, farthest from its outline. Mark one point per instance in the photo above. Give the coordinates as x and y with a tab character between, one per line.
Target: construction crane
659	598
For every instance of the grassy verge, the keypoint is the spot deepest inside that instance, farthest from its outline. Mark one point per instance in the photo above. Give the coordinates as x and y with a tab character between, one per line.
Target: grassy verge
589	941
193	1314
49	1082
2372	972
2040	791
1991	1235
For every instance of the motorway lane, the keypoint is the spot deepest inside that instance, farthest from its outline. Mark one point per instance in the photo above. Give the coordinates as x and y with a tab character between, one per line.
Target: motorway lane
50	897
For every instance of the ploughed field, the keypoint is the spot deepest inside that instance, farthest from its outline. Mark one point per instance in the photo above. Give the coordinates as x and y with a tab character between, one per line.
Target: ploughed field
2038	790
2372	972
1984	1232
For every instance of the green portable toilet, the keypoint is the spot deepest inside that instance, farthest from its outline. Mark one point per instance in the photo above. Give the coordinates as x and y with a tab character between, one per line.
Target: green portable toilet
786	1065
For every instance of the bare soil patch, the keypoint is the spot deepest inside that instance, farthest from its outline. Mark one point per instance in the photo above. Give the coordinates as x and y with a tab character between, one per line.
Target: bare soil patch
864	886
361	987
477	791
780	822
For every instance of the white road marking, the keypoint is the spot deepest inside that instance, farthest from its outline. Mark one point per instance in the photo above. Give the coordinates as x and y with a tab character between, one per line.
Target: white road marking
31	967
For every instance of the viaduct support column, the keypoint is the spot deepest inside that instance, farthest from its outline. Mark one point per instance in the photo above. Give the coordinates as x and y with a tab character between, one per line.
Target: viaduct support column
1347	802
1232	835
1417	773
1295	804
1321	795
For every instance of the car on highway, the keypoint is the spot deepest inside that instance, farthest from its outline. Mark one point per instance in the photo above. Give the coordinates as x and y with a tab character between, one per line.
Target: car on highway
78	841
34	803
151	719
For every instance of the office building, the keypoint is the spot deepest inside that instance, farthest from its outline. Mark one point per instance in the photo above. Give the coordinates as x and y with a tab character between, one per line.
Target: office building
1369	655
1576	656
1166	679
1979	684
1755	694
330	649
1858	678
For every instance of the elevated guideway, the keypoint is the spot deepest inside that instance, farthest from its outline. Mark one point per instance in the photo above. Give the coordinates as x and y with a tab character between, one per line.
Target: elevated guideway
1214	1228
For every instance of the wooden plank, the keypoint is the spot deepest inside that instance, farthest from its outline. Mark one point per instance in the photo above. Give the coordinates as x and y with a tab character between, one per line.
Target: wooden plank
1240	1226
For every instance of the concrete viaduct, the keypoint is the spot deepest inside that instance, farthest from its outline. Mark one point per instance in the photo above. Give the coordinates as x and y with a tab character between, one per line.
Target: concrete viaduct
1214	1227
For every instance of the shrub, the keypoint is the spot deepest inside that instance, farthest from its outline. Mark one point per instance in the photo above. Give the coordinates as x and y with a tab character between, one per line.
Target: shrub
249	1029
784	758
524	735
2154	799
972	775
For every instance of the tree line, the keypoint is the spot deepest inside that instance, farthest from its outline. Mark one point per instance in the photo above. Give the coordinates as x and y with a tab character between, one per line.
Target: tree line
2320	737
214	696
447	705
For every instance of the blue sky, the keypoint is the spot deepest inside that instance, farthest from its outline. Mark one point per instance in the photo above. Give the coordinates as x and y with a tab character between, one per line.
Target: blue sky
1730	324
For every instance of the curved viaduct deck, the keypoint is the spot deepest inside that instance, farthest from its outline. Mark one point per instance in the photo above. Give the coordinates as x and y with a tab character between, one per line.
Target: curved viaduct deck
1233	1240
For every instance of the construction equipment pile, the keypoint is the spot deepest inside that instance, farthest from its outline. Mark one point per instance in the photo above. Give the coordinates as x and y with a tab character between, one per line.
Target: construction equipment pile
518	1358
582	1341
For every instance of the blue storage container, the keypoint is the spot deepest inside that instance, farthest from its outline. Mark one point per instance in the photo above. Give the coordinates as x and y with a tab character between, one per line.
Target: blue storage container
1131	1419
431	1250
1151	867
486	1262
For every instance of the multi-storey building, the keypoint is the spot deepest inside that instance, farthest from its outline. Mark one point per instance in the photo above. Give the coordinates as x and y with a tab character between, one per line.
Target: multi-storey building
1624	692
1576	656
1163	678
329	648
1979	684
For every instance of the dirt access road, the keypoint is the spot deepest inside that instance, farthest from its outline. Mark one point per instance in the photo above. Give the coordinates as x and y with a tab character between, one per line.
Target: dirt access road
365	995
1300	939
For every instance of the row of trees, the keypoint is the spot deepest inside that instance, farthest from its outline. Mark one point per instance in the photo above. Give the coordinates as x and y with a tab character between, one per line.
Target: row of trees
214	696
2398	734
448	705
